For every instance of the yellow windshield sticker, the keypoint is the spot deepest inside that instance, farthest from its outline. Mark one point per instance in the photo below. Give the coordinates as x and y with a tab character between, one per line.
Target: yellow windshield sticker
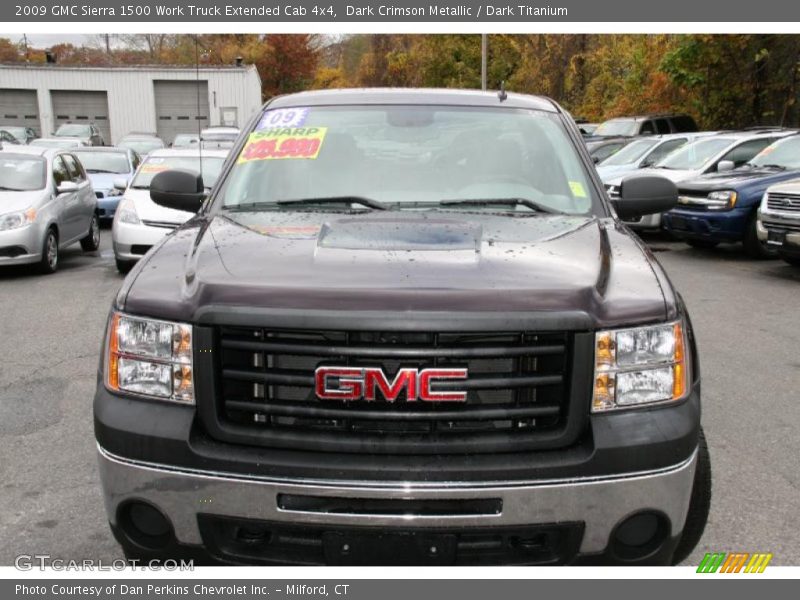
283	142
577	189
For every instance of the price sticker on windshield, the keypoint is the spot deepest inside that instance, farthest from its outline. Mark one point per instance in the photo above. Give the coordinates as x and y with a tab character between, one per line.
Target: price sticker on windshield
282	143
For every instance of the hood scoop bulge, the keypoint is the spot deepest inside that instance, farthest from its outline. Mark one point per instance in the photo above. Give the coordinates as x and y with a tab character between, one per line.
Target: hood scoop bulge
400	235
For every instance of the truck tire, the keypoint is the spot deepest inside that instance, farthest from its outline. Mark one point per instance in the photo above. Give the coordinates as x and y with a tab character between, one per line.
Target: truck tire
124	266
753	247
702	244
792	260
91	242
49	262
699	504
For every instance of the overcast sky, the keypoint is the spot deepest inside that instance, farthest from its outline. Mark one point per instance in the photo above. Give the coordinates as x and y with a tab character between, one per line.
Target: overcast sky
40	40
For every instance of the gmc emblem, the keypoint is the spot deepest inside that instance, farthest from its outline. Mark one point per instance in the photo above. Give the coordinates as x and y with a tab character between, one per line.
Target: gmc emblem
354	383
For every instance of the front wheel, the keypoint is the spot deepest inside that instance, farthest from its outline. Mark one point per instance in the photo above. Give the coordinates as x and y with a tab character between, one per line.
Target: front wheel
754	247
92	240
699	504
49	262
792	260
702	244
124	266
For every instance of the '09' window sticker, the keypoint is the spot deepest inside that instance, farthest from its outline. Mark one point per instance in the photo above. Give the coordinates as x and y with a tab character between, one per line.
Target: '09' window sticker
283	117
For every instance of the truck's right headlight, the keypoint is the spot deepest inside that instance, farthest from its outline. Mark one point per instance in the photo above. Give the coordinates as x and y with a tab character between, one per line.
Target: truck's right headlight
150	358
639	366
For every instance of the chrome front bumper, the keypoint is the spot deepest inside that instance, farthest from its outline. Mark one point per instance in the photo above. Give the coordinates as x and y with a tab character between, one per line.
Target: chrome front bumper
600	503
777	220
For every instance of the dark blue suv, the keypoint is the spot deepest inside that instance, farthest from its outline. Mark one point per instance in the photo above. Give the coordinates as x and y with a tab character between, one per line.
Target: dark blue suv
721	207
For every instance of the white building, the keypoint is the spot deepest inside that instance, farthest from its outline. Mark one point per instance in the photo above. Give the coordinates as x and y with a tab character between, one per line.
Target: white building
161	99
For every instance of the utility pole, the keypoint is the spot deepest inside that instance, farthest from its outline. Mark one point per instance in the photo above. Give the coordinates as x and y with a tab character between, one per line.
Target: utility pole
484	44
108	43
27	52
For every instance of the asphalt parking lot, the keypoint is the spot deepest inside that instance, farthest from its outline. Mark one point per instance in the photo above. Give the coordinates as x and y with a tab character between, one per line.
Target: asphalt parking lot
745	314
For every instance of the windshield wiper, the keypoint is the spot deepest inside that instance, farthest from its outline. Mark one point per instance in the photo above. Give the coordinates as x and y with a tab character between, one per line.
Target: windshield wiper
530	204
102	171
140	187
772	166
361	200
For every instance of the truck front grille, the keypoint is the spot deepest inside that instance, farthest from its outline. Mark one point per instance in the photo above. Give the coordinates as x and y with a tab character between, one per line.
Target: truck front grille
517	390
783	202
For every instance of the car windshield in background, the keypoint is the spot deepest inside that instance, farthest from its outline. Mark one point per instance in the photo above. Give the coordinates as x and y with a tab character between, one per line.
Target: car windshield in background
21	173
212	165
411	157
17	132
784	154
630	153
74	131
104	162
694	155
185	141
51	143
141	146
616	127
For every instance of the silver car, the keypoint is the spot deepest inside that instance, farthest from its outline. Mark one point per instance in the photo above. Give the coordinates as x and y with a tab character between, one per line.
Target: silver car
46	204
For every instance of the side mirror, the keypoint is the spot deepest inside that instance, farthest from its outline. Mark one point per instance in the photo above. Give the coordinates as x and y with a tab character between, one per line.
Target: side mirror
645	195
179	189
121	184
67	187
725	165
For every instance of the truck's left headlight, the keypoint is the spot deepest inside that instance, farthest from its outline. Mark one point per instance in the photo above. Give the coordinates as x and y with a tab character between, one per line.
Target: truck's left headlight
149	357
640	366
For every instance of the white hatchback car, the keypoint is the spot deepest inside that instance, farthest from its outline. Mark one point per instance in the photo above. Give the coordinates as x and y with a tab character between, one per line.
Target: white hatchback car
139	222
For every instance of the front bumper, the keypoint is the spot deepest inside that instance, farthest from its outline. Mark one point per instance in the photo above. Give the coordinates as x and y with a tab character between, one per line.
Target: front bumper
719	226
789	225
22	245
131	242
187	497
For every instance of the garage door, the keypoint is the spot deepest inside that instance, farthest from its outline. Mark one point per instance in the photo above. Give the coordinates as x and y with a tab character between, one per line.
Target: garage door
181	107
19	107
78	106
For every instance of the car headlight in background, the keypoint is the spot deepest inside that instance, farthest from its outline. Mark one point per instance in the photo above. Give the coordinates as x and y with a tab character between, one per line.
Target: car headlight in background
639	366
721	200
149	357
17	219
114	192
126	212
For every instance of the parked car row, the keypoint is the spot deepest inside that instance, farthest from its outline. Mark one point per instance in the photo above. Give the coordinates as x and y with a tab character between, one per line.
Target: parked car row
55	192
722	177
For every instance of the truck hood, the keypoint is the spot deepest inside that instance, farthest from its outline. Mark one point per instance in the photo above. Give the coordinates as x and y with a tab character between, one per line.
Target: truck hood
401	262
736	178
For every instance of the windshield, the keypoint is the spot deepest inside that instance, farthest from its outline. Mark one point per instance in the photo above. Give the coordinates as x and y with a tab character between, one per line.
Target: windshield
21	173
51	143
229	136
630	153
104	162
784	153
616	127
17	132
141	145
183	141
211	167
411	156
74	131
695	155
